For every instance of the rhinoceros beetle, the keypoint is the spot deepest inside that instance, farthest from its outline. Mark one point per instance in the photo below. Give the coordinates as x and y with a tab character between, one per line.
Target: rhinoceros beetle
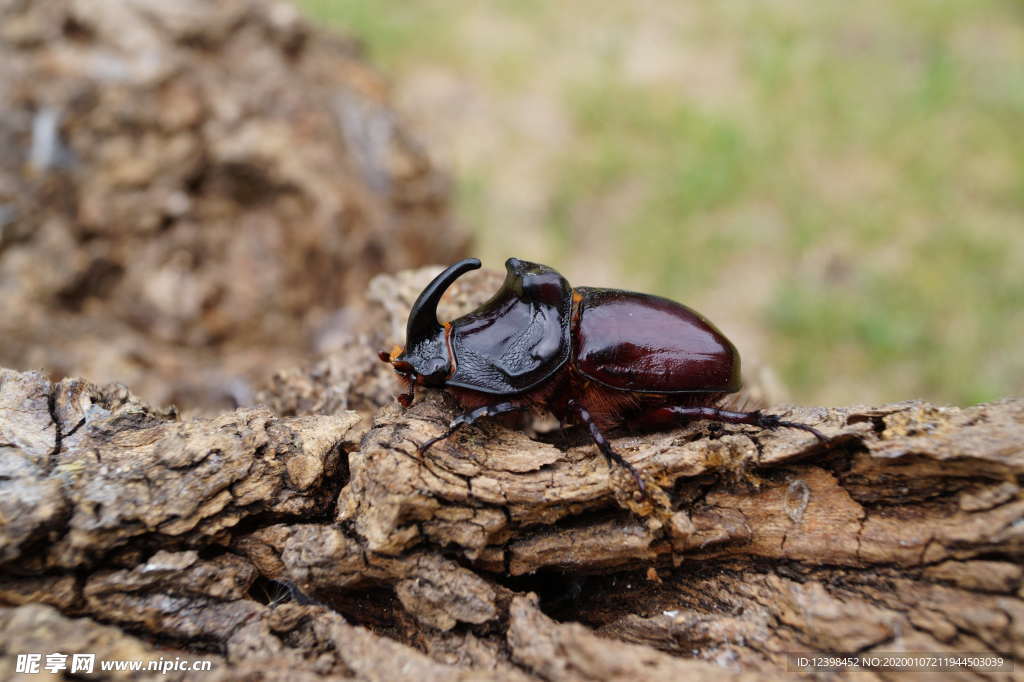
601	357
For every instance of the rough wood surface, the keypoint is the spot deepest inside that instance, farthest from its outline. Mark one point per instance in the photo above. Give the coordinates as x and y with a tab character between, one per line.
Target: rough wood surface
195	193
503	553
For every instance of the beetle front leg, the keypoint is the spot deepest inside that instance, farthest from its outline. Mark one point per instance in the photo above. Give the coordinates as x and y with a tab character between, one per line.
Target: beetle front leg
468	418
604	445
671	415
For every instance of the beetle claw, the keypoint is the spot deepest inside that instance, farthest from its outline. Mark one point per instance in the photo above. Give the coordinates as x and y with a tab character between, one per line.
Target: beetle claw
636	477
422	449
770	421
805	427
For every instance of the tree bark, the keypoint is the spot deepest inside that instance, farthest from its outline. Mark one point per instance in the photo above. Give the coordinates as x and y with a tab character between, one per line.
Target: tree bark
304	540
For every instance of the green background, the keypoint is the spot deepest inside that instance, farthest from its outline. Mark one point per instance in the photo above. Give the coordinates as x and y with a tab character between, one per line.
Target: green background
839	186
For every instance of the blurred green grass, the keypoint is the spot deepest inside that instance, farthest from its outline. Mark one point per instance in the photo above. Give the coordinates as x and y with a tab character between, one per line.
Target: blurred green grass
848	179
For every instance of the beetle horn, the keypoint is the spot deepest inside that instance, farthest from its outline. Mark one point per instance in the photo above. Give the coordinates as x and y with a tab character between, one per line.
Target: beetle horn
423	317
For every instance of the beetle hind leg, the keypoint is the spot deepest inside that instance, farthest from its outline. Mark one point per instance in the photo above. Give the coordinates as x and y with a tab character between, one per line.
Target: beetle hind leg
603	444
668	416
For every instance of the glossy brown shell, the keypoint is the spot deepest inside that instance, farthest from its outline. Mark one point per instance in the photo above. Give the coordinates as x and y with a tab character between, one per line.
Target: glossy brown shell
648	344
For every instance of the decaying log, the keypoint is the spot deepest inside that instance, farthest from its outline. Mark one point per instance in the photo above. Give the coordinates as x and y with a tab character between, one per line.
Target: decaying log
307	539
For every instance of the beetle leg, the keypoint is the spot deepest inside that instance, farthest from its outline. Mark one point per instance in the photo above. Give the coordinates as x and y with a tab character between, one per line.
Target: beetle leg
604	445
671	415
469	417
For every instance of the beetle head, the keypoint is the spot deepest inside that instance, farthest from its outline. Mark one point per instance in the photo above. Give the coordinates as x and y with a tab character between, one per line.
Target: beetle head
425	359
